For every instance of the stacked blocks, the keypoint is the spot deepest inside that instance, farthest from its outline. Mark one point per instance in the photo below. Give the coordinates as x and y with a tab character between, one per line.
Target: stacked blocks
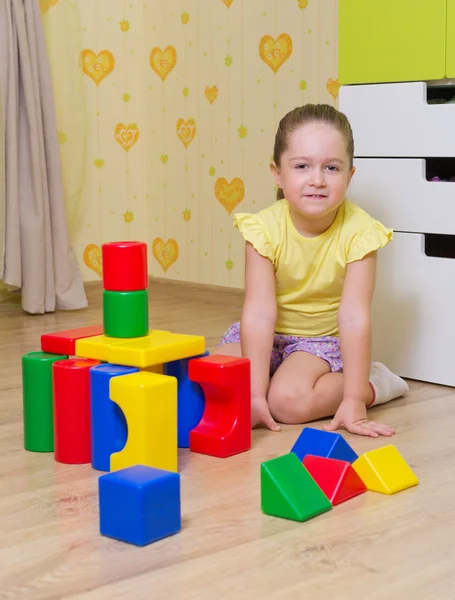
288	484
139	505
125	296
124	398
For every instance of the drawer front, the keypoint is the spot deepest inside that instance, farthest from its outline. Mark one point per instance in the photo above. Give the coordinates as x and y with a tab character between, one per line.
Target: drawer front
413	311
395	191
395	119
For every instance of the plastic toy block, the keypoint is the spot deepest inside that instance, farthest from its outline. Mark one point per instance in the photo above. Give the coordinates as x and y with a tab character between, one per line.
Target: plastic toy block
64	342
124	266
158	347
108	426
323	443
384	470
125	314
71	381
225	427
96	347
288	490
38	412
336	478
190	406
149	404
139	505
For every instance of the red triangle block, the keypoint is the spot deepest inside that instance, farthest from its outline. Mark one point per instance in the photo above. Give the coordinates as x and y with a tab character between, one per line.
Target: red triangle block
336	478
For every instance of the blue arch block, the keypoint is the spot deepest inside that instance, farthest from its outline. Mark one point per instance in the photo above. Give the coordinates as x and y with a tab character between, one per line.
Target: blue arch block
323	443
190	399
109	430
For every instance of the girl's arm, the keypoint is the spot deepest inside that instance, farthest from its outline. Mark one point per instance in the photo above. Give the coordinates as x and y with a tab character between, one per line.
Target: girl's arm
257	330
354	323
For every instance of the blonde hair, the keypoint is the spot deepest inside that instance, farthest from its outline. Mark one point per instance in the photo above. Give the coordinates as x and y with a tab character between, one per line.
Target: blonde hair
310	113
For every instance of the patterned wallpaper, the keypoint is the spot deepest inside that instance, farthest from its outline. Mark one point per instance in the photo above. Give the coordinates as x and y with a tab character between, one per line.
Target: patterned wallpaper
167	111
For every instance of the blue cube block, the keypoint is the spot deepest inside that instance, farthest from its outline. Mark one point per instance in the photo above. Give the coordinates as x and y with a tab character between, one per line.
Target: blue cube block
323	443
109	430
191	400
139	505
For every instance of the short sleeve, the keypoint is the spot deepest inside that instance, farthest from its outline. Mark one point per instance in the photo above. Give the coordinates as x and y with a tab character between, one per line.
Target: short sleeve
374	237
255	231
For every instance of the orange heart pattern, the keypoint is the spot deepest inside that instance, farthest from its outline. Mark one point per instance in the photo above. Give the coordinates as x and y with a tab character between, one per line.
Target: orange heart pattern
45	5
211	93
186	130
126	135
97	66
166	253
163	61
92	258
333	87
229	194
275	52
227	2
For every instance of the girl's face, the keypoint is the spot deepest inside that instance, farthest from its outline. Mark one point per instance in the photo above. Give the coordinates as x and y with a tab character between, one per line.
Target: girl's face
314	173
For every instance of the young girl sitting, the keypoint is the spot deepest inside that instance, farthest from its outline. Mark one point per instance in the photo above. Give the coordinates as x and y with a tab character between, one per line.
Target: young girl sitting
309	276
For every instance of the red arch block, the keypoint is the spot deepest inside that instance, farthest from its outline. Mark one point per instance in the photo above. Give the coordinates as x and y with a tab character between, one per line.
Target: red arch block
225	427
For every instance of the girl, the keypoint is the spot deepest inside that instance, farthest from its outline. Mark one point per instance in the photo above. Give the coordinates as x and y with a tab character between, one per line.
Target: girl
309	276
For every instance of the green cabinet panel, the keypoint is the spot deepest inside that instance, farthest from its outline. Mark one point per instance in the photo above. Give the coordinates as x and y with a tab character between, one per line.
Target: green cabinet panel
450	55
393	40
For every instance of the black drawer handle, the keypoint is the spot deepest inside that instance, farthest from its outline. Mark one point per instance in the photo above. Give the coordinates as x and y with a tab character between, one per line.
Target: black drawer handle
440	245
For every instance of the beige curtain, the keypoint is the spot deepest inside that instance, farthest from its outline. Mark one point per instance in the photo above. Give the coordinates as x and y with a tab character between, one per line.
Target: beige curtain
36	254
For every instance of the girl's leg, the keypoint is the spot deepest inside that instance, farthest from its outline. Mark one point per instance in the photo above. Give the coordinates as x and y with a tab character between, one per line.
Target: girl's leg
230	349
304	389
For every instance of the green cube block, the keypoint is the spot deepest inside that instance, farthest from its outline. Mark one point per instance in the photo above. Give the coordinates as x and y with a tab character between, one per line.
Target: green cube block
288	490
125	314
38	409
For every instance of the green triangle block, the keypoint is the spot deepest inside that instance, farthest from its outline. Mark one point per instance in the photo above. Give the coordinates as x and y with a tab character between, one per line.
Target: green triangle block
288	490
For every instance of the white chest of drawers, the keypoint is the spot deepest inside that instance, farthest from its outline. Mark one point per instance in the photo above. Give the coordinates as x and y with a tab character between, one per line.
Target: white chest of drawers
395	131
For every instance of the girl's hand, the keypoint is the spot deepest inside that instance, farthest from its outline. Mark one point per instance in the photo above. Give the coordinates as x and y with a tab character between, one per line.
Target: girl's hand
260	413
352	415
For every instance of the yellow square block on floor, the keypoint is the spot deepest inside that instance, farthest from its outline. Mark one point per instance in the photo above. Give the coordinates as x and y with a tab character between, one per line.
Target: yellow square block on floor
95	347
158	347
384	470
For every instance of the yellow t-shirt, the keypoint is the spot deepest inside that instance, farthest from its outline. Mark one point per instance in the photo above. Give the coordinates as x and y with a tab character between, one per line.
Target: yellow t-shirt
310	272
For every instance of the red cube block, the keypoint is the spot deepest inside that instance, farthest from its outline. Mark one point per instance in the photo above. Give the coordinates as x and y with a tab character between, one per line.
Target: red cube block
124	266
225	427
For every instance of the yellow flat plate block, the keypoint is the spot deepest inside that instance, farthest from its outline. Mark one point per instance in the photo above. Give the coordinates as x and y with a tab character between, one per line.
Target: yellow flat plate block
384	470
157	348
149	403
95	347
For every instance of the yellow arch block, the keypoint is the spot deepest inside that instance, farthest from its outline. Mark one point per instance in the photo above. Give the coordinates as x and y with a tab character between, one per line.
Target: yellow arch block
149	403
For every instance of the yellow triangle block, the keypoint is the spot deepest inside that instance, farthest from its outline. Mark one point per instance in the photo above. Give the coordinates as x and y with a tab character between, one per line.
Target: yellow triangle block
384	470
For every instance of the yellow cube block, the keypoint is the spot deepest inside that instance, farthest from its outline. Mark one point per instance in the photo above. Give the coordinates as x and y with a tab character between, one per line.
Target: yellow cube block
95	347
149	403
384	470
158	347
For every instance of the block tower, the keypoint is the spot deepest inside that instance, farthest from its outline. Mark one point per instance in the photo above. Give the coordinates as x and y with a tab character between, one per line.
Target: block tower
120	395
125	295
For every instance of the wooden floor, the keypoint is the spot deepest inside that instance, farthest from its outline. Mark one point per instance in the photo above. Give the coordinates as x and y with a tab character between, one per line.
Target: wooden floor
398	547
